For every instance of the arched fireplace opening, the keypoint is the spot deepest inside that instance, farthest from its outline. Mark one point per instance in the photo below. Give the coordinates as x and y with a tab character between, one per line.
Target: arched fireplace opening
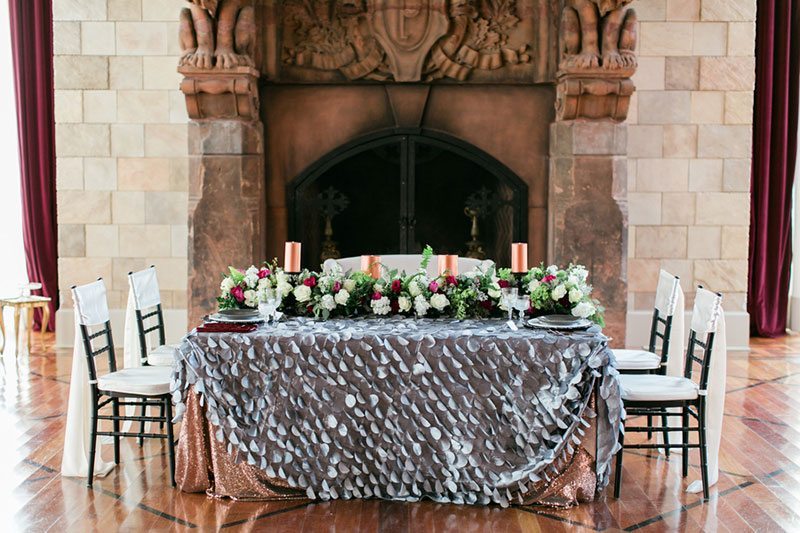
397	191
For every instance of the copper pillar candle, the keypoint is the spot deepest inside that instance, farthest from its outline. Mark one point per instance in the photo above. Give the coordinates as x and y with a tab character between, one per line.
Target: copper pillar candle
448	264
371	264
519	257
291	259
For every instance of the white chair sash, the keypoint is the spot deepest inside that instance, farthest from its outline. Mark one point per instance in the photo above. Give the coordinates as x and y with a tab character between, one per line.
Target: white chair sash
146	293
77	434
91	304
667	293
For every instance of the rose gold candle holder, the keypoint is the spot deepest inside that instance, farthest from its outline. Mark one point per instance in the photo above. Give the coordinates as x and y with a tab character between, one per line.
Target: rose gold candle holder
371	264
519	257
448	264
291	259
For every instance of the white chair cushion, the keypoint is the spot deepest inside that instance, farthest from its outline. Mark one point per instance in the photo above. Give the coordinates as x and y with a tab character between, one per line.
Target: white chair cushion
636	360
163	355
651	388
145	380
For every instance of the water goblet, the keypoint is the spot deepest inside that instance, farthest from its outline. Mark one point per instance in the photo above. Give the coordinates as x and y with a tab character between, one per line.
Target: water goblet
507	296
521	304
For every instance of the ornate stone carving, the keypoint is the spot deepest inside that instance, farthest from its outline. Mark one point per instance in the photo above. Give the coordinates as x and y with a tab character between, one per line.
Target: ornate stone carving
221	94
408	40
218	33
594	94
597	33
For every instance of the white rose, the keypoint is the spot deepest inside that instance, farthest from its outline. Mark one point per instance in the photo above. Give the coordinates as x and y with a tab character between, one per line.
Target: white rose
341	297
281	277
414	289
583	310
284	288
328	302
381	306
264	283
439	301
226	285
302	293
404	303
552	270
250	298
421	305
493	293
533	285
575	296
559	292
349	285
251	271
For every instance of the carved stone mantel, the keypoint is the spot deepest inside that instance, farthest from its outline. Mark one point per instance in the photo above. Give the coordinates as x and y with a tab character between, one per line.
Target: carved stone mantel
233	49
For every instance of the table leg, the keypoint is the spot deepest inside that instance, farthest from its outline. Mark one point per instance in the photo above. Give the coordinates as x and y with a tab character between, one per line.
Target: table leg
16	327
29	312
45	321
2	329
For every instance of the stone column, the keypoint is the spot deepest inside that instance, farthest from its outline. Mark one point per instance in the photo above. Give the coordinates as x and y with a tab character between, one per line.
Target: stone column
588	213
226	199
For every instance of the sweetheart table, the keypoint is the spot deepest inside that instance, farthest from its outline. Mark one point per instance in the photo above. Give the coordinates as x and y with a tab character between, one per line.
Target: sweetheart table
462	411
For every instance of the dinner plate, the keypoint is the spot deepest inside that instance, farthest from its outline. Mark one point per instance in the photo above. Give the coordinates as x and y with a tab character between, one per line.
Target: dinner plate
217	317
576	323
239	313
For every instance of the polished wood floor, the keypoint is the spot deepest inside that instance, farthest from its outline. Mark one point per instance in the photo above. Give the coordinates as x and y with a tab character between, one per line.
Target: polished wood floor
759	488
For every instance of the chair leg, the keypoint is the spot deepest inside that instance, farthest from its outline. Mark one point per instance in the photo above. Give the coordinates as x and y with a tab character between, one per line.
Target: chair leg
92	446
115	412
685	424
665	433
649	425
703	450
141	426
161	424
618	469
170	438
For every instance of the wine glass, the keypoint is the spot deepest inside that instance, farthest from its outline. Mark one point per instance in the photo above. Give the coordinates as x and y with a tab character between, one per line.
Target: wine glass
271	299
508	295
521	304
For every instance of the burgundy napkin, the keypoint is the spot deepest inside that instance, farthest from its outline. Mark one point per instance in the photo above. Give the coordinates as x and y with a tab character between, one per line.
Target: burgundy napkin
226	327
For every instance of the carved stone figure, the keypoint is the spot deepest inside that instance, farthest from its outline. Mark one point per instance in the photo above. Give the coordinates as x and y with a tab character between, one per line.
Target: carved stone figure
598	33
217	33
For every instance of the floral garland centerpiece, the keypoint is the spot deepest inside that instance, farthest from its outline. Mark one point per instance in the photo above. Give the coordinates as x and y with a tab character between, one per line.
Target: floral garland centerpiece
562	291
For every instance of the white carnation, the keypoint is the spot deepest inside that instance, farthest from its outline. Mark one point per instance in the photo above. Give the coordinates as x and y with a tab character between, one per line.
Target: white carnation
226	285
421	305
439	301
575	296
404	303
583	310
414	289
250	298
252	271
533	285
559	292
341	297
324	284
328	302
302	293
552	270
381	306
349	285
264	283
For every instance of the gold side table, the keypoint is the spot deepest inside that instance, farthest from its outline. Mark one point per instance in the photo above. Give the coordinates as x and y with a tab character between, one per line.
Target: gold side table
28	304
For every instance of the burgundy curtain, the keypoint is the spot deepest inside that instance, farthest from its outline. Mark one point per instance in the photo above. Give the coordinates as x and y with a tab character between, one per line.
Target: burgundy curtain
32	51
774	157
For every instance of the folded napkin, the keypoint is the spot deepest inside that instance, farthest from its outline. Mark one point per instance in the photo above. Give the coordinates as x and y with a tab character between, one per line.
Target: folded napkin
226	327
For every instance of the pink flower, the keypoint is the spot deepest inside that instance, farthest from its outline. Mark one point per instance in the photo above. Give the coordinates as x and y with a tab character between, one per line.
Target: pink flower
376	295
238	294
504	284
433	287
310	281
397	286
451	280
263	273
337	286
548	278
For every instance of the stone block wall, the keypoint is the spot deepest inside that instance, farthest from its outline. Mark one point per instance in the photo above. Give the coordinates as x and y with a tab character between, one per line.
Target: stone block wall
689	143
121	144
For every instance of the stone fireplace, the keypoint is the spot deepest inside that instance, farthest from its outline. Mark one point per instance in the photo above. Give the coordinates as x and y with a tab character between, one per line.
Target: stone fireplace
368	126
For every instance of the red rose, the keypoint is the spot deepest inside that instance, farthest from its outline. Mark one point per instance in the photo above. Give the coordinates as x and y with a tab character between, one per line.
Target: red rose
310	281
504	284
548	278
263	273
337	286
397	286
486	304
395	306
238	294
310	309
377	296
433	287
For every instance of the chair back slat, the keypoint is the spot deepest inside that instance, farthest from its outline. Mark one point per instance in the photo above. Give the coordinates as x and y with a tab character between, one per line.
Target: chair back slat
664	309
147	304
95	325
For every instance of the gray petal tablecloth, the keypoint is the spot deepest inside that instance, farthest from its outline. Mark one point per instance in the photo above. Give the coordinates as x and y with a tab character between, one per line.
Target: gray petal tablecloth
456	411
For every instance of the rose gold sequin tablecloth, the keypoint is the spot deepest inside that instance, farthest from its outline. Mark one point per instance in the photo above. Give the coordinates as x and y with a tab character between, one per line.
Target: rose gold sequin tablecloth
452	411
